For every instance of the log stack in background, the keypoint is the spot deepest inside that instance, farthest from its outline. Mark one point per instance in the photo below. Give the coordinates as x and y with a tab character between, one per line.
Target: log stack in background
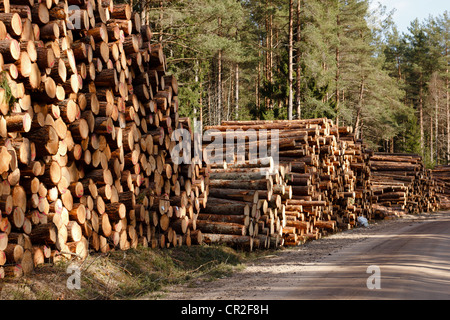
401	185
327	180
357	155
441	176
87	113
321	182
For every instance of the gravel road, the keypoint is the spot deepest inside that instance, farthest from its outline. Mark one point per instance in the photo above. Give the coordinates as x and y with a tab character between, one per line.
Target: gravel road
412	255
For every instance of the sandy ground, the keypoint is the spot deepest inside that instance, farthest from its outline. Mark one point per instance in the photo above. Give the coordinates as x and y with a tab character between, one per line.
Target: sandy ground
412	255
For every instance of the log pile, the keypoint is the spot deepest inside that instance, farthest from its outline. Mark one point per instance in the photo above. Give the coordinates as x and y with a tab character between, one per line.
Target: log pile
441	176
321	178
87	112
355	159
401	185
327	179
244	207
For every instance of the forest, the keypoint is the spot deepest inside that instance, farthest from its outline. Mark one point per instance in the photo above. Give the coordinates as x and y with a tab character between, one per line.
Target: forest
296	59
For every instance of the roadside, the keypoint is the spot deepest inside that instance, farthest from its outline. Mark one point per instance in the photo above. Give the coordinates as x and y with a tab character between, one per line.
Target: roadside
125	274
189	273
272	276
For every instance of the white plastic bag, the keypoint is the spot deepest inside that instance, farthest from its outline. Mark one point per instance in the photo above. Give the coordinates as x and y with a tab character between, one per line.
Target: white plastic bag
363	221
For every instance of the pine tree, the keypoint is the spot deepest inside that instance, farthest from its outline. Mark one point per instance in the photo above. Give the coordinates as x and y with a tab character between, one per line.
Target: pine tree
419	68
277	59
291	60
316	61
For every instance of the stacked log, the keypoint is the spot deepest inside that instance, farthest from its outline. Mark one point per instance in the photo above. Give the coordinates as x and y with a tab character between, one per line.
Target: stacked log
401	185
244	207
318	184
441	177
187	192
312	178
356	156
87	116
33	142
330	177
337	168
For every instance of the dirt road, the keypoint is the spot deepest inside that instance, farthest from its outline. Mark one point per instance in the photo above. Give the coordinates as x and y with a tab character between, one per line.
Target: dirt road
412	256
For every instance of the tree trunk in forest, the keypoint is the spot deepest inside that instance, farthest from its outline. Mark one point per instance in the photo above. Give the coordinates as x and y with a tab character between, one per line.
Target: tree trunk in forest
291	59
399	70
422	146
229	95
358	113
210	115
437	126
338	23
431	139
448	120
196	79
447	105
201	102
237	84
258	84
237	92
219	88
161	4
298	55
266	61
269	48
219	79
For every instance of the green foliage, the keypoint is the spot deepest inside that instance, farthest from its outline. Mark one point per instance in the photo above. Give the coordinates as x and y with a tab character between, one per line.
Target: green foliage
4	84
380	75
413	59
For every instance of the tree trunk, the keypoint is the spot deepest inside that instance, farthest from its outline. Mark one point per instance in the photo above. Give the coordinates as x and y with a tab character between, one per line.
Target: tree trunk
431	139
298	61
270	53
437	126
161	4
196	79
221	227
219	89
422	145
358	113
219	81
258	84
237	91
228	239
229	94
201	100
447	107
338	23
291	60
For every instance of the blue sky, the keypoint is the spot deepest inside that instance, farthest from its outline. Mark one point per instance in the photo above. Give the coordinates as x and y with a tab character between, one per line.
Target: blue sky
408	10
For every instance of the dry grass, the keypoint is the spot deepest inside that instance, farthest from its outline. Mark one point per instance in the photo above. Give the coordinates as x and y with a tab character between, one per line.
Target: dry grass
131	274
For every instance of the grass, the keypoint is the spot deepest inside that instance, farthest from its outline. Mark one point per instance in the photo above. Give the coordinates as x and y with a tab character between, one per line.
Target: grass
132	274
9	98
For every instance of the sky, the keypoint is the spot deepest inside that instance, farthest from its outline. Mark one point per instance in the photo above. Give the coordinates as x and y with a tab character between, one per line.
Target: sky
407	10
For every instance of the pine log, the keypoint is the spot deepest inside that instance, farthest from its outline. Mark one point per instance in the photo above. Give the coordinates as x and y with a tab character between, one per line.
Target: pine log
44	233
221	227
231	240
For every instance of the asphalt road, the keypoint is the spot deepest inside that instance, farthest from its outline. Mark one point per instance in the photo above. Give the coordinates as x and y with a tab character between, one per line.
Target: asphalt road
410	263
